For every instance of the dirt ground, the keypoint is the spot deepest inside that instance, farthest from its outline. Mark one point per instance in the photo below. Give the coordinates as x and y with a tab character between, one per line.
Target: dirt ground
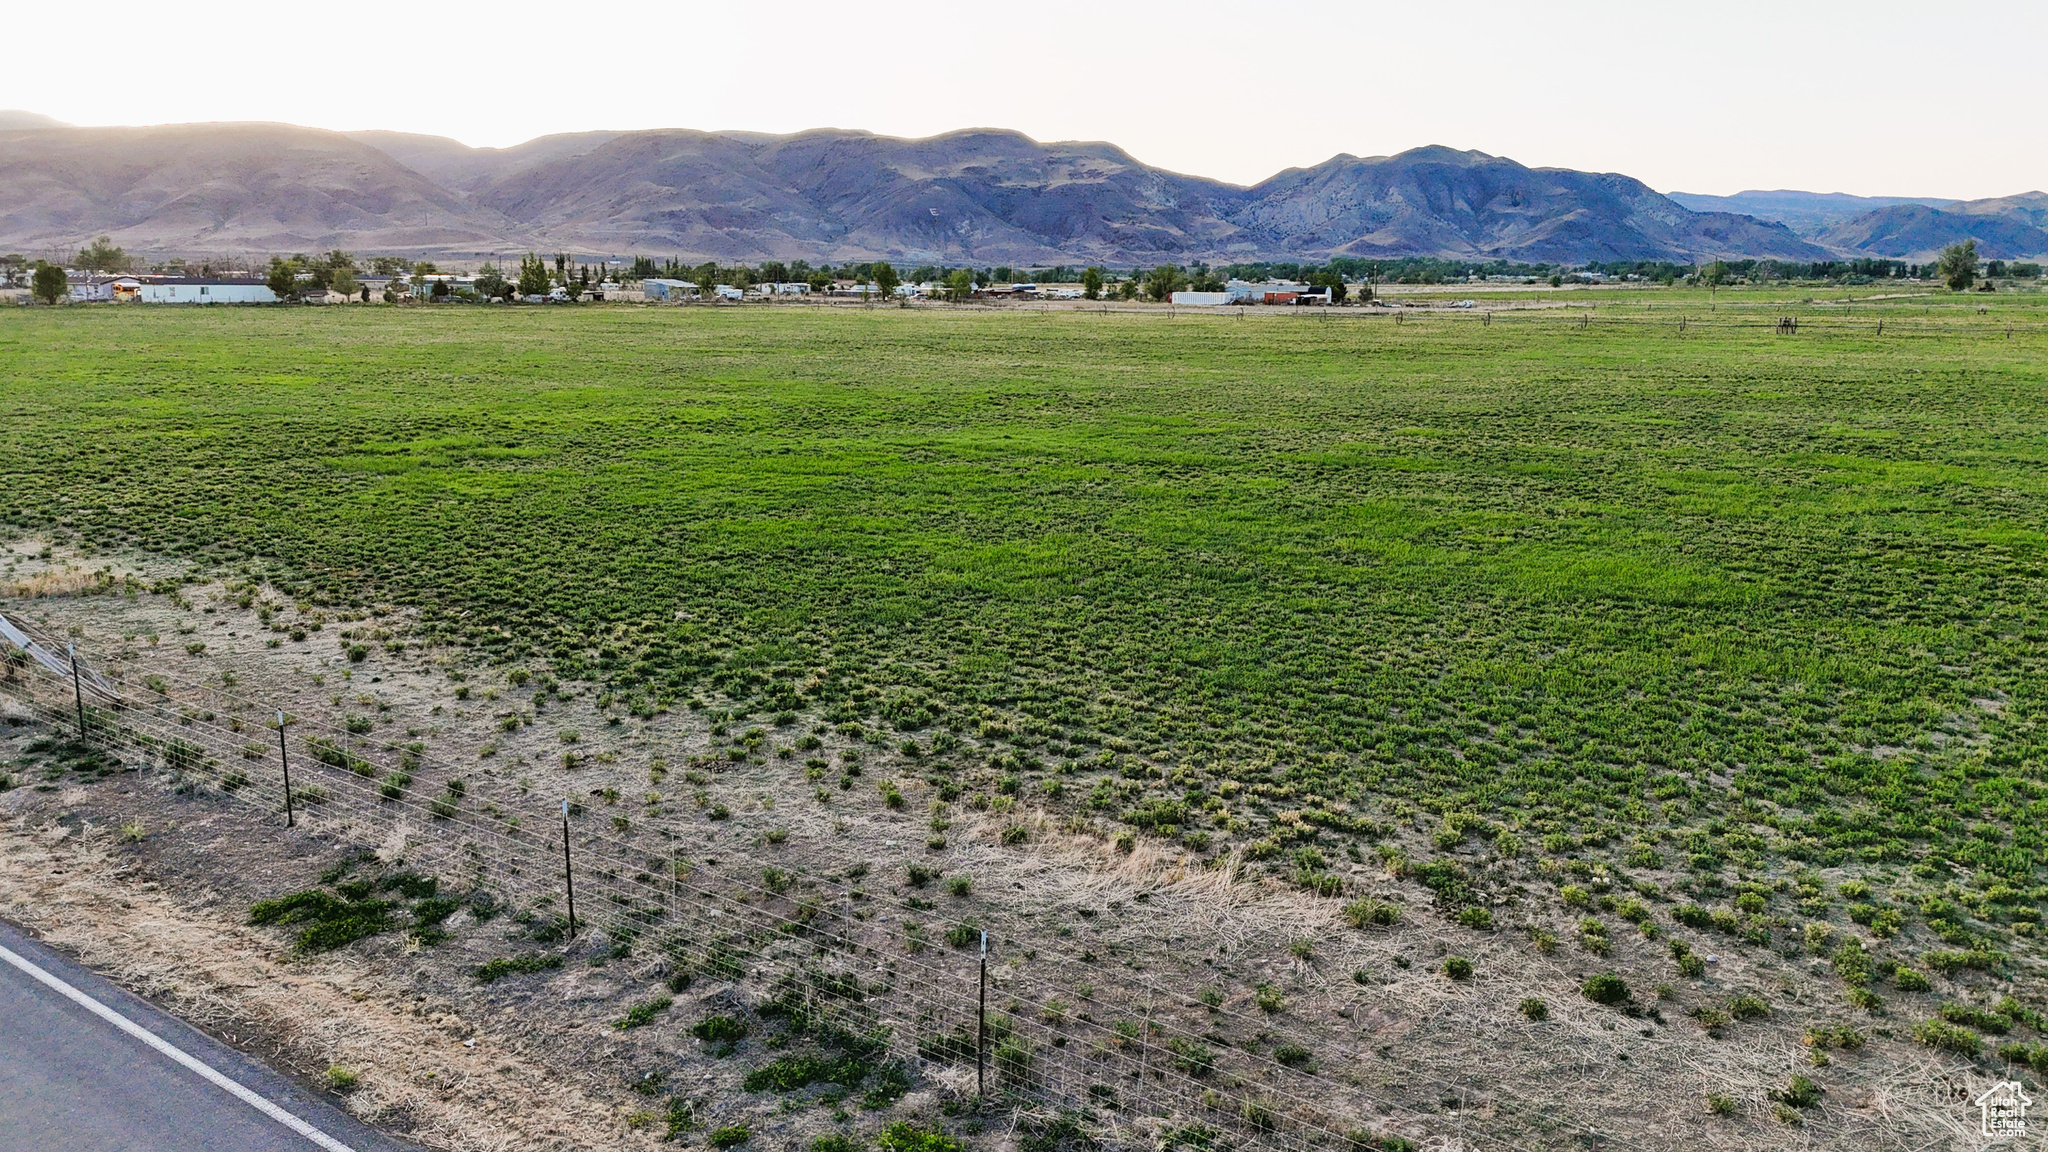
1142	952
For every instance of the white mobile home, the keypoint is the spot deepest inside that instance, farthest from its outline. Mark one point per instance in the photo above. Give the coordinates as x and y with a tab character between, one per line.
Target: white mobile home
195	290
104	288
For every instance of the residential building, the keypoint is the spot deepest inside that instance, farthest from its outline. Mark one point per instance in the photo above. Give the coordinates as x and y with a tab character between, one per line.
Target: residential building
204	290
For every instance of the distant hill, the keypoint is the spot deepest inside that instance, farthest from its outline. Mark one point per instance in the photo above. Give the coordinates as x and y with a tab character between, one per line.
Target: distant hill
971	196
983	196
13	119
1470	204
2005	228
987	195
223	187
1806	213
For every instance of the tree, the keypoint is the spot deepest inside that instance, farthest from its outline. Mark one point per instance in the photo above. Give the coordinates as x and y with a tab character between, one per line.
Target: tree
886	279
1959	265
1164	281
1128	290
342	280
283	279
103	257
490	283
959	285
820	280
774	272
50	283
1091	283
533	275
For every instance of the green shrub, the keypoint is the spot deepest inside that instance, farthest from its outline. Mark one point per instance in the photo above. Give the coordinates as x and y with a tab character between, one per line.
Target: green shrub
1457	967
731	1136
644	1013
903	1136
1800	1093
1606	988
1372	910
1293	1055
1749	1008
1190	1057
1977	1018
1948	1038
718	1029
1950	963
793	1072
1907	980
332	922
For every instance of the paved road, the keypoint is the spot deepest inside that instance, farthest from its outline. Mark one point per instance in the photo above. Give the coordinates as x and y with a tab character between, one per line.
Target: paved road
72	1080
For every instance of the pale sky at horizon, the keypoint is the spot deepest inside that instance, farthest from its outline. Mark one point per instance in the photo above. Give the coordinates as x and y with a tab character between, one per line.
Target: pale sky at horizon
1821	96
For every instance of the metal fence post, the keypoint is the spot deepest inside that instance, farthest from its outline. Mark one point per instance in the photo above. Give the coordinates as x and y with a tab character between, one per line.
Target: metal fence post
77	690
568	876
285	759
981	1026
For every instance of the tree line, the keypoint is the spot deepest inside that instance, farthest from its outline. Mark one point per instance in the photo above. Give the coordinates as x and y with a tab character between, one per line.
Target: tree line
300	275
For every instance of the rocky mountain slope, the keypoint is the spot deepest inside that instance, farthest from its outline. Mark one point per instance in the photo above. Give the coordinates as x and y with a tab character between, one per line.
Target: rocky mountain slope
221	188
2005	228
981	196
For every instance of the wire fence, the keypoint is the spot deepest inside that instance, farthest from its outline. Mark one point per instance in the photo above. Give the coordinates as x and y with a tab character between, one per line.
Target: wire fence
1890	318
1125	1059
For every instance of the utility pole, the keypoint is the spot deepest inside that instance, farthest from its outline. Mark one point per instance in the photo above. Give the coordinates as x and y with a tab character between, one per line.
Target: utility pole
285	758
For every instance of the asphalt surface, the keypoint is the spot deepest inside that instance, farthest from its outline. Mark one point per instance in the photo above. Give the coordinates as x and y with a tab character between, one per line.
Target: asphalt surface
72	1081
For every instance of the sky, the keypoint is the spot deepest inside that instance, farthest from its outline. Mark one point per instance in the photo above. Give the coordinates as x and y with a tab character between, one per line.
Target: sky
1873	98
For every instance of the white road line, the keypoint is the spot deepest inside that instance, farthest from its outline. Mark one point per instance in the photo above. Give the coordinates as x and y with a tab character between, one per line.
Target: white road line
150	1038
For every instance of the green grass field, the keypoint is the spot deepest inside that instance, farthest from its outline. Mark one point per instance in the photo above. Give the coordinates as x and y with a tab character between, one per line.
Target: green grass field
1722	595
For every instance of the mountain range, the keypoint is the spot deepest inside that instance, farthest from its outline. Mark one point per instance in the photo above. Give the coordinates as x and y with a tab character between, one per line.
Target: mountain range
978	196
